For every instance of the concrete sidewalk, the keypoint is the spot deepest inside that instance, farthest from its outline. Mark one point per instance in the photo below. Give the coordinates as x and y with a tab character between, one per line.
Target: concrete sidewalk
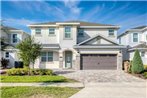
44	84
113	90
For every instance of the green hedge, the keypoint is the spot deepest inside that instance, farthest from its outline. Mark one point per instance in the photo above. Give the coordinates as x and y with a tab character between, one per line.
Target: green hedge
27	71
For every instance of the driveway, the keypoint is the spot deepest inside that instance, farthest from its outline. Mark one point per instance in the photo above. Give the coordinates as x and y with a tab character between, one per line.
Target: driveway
113	90
97	76
107	84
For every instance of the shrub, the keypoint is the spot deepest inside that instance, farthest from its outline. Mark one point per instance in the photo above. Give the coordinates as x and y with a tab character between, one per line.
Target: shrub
4	62
137	65
145	74
145	67
27	71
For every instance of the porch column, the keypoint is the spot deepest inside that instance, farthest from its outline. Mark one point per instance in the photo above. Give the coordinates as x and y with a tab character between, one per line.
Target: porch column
60	59
119	61
77	66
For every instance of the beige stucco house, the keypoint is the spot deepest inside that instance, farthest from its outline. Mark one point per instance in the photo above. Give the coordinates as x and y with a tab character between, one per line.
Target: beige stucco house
11	37
77	45
134	38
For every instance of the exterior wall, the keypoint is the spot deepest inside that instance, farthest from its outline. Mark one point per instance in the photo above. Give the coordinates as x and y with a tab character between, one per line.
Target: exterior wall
4	35
68	43
128	38
102	41
45	38
92	32
48	65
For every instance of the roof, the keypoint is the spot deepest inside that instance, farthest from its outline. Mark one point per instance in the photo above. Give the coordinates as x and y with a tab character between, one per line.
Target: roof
140	46
8	28
140	28
82	23
50	46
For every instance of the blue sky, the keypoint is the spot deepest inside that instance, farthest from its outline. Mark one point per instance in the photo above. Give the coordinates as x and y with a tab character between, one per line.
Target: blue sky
127	14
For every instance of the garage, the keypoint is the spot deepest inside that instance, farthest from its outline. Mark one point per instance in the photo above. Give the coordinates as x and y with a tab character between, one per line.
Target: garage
98	61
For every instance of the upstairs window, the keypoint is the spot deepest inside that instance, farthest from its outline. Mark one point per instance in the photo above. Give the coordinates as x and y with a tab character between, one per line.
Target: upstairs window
14	38
135	37
46	56
142	54
80	32
111	32
68	32
38	31
51	31
7	55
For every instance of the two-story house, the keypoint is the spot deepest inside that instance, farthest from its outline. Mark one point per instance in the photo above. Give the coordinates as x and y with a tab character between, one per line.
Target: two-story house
135	38
11	37
77	45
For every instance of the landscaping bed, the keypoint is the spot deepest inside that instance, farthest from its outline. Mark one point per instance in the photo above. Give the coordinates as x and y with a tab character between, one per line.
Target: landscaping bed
37	92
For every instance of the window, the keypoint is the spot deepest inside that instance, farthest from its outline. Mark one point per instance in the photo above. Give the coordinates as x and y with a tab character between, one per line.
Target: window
6	54
51	31
38	31
46	56
14	38
135	37
119	40
80	32
111	32
67	32
142	54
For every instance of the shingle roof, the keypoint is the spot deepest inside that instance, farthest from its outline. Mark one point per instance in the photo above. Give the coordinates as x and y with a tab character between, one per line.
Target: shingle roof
140	46
9	28
139	27
82	23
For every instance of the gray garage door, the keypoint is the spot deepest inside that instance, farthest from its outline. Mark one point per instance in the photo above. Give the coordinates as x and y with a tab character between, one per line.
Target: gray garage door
98	61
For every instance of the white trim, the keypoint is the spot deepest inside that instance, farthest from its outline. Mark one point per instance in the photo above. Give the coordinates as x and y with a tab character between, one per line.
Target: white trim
100	27
95	37
70	23
101	47
41	25
133	37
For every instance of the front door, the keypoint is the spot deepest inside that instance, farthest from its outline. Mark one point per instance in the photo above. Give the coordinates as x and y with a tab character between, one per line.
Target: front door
68	59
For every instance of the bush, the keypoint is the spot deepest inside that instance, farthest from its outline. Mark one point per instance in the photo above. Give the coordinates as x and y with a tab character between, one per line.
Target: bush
145	67
27	71
4	62
145	74
137	65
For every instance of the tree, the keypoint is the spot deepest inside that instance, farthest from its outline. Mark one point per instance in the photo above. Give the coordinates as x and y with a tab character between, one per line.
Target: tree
137	65
29	50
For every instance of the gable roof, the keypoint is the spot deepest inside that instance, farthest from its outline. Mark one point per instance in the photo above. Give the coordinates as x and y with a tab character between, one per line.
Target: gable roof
82	23
8	28
95	37
142	46
139	28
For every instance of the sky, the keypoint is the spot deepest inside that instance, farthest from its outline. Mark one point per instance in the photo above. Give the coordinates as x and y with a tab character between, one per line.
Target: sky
127	14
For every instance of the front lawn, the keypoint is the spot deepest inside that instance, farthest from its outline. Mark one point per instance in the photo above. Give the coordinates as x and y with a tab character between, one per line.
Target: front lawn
29	79
37	92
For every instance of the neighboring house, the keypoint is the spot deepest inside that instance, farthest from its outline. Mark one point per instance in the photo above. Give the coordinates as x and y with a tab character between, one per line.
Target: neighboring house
77	45
10	37
135	38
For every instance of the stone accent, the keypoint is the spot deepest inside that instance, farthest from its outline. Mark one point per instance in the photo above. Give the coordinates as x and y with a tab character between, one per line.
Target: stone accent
119	61
60	59
77	67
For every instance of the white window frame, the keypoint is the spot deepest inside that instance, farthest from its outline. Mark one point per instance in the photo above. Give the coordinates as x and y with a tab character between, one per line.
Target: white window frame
37	31
111	32
81	30
142	53
133	37
47	56
12	38
68	32
51	32
6	54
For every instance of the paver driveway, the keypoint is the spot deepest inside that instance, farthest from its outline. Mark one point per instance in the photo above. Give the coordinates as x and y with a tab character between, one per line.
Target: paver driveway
87	76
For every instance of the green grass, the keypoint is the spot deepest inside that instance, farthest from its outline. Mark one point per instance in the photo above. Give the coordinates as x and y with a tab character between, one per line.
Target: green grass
27	92
29	79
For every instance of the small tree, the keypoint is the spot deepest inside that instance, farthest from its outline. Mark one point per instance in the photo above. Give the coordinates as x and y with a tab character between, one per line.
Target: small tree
29	50
137	65
4	62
